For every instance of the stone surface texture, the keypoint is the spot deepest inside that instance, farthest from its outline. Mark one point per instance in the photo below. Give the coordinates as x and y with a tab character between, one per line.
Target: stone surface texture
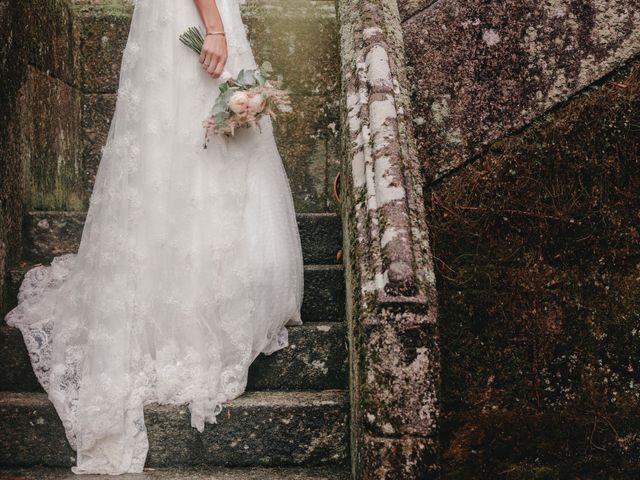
482	69
51	233
256	429
324	291
50	142
251	473
391	301
315	360
538	260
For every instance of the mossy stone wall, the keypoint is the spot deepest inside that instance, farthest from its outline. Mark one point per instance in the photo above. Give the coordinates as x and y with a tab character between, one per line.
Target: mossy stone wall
12	72
537	255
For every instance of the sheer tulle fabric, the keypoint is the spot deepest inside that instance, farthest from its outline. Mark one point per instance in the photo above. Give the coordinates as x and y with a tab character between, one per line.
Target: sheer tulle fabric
189	265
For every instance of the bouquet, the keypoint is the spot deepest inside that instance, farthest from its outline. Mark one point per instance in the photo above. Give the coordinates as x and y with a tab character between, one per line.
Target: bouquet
243	100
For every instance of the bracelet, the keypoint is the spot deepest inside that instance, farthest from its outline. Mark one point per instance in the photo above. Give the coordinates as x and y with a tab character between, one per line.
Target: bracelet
215	33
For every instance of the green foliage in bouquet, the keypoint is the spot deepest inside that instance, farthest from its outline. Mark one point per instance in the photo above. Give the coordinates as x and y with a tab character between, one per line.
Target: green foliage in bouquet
193	38
242	100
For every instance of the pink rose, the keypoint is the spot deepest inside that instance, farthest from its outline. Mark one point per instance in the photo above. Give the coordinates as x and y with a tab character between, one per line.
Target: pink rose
239	103
257	103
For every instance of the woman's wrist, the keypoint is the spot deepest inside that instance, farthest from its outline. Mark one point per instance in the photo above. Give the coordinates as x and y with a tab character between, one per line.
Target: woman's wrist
213	27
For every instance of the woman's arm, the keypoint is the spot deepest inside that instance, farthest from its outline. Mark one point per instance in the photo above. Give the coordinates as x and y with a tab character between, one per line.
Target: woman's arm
214	51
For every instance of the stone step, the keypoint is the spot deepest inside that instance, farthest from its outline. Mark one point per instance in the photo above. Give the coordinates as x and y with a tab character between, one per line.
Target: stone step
324	291
47	234
314	360
268	429
255	473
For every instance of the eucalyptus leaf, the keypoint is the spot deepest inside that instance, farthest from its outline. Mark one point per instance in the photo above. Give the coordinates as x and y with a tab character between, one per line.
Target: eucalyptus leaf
220	117
267	68
260	77
246	78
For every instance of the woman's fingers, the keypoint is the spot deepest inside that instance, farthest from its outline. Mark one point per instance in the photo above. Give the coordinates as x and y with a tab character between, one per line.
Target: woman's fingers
214	56
217	66
208	60
212	68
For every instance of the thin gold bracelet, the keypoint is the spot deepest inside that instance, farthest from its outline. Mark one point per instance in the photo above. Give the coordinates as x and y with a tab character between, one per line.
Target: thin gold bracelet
215	33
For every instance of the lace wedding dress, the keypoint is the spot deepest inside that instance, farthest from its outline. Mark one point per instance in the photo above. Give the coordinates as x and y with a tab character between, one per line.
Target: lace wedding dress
190	262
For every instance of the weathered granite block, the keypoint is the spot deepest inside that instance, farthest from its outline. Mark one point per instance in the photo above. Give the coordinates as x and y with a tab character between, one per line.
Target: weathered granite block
308	142
400	458
314	360
50	135
48	234
102	33
47	36
324	293
256	429
408	8
13	179
300	39
483	69
401	380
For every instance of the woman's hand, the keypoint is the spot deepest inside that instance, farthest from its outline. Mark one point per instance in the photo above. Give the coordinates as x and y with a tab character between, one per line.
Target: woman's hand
213	56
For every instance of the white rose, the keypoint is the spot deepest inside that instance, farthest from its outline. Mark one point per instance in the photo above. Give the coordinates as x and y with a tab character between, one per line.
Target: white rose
239	103
257	103
225	76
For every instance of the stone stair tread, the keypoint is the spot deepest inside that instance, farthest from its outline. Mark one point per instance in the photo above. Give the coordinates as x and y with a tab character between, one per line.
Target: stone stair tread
315	359
324	291
262	398
266	428
54	232
257	473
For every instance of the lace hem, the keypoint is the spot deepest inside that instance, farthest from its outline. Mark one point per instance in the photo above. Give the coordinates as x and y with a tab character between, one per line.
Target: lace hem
38	336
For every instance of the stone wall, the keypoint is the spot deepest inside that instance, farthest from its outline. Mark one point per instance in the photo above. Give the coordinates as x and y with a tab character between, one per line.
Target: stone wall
482	69
531	188
12	73
537	253
39	114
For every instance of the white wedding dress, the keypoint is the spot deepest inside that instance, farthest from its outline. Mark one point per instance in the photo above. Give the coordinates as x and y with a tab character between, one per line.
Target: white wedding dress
190	262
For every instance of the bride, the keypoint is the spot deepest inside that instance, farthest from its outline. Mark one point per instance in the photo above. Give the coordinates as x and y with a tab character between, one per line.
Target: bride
190	262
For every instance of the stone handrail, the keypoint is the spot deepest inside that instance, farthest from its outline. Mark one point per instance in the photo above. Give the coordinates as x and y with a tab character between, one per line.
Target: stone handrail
390	280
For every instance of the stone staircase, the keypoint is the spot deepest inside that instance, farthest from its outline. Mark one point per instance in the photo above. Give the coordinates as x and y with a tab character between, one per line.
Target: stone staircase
295	409
292	423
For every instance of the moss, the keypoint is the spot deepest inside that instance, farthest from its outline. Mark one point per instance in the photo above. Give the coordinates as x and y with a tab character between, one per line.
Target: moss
104	7
12	71
537	251
57	198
